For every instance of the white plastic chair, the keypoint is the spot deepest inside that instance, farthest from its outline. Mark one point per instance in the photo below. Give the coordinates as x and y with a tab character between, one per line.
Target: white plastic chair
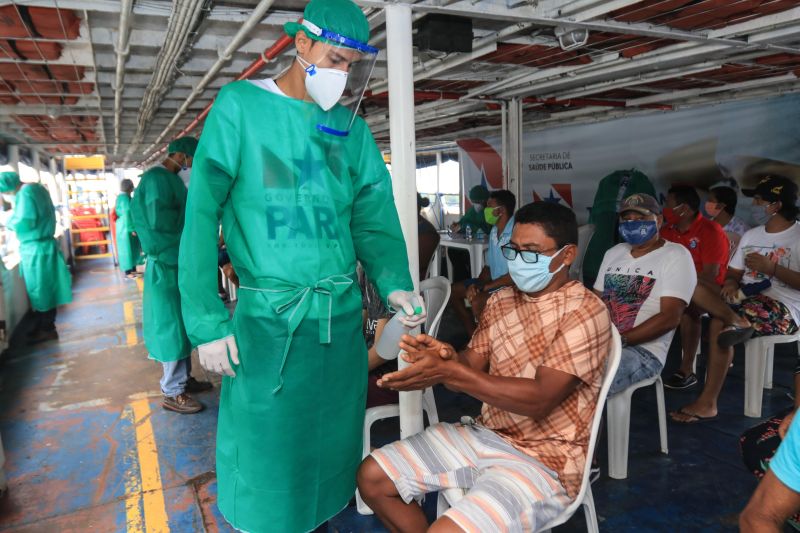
436	293
229	287
584	497
619	425
585	234
759	355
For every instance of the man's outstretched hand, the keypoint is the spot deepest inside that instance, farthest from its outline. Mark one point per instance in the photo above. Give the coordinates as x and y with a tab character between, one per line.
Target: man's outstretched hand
427	343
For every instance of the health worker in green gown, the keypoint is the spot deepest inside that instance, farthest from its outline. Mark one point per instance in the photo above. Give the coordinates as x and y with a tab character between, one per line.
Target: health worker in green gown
157	212
474	218
302	193
129	250
42	266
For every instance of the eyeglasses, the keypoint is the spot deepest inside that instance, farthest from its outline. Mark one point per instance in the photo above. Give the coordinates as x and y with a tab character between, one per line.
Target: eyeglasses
528	256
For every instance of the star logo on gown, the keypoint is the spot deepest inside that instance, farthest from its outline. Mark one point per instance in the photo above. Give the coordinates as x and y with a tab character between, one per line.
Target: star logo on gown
309	170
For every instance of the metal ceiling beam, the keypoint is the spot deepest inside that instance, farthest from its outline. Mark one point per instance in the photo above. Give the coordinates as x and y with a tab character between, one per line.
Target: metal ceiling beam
765	23
690	93
641	65
206	42
529	79
122	49
98	104
183	21
236	42
480	47
160	8
717	44
494	11
178	93
105	78
580	10
786	33
639	79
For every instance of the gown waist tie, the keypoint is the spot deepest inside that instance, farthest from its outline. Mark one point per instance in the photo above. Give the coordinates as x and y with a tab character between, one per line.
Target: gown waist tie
294	302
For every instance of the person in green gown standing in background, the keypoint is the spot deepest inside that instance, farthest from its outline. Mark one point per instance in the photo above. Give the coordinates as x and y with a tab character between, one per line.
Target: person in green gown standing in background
47	278
129	250
474	218
157	212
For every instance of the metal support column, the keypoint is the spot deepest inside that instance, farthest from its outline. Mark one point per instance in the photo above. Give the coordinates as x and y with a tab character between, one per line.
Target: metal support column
13	157
399	54
504	141
515	149
36	164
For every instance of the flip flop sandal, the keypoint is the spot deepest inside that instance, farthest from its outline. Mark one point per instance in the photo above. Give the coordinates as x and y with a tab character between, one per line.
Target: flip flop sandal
733	335
693	418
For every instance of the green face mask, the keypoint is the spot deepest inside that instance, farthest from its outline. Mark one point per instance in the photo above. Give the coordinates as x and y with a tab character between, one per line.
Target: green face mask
489	215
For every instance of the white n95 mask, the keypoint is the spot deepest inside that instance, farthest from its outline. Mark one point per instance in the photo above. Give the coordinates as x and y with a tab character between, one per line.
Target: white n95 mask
324	85
184	174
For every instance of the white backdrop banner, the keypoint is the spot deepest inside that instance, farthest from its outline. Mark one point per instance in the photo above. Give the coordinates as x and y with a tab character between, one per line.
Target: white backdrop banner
695	146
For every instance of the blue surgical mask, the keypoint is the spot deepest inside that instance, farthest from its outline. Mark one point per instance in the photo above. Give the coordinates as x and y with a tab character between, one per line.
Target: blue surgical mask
637	232
759	214
532	277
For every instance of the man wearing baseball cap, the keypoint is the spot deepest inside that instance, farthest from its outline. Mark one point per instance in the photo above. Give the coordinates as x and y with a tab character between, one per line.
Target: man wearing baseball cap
646	282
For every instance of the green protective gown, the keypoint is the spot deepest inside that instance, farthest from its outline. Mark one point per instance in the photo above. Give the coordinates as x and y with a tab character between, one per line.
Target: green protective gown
129	250
47	278
157	211
476	220
298	207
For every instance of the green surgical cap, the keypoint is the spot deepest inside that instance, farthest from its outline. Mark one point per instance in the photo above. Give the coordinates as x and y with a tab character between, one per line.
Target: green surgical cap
478	194
185	145
338	16
9	181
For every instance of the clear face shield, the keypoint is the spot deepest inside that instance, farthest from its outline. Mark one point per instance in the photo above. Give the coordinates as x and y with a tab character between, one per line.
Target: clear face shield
338	70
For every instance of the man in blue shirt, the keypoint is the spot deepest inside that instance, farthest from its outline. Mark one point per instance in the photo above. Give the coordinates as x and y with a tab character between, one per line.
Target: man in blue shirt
777	497
499	213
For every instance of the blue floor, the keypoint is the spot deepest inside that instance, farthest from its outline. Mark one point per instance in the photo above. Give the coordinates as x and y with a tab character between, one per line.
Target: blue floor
77	456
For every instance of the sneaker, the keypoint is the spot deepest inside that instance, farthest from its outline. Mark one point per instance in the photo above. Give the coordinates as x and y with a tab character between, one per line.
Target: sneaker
678	381
35	337
182	403
594	474
192	385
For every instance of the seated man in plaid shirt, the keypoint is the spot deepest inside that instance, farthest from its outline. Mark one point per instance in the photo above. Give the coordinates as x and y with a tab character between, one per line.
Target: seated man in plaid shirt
537	362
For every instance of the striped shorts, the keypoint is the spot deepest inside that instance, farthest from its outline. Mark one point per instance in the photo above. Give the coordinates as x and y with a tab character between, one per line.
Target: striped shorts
507	490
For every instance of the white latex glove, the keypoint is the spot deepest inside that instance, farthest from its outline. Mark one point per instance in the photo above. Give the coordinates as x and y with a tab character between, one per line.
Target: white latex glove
214	356
407	301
